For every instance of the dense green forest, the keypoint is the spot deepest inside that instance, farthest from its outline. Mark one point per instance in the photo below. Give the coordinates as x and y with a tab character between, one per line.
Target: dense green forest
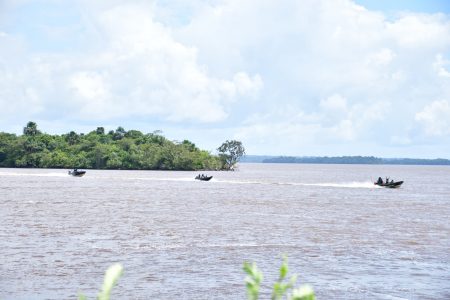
119	149
370	160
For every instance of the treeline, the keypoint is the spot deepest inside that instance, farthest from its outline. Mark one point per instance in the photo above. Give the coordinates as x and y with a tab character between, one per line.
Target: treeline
370	160
116	149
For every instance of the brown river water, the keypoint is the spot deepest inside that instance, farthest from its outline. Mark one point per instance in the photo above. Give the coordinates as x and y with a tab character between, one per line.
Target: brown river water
178	238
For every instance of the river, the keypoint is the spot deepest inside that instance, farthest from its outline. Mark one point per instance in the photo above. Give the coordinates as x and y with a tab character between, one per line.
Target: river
181	238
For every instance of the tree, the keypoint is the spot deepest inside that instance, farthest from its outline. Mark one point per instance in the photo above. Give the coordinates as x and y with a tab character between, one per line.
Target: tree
119	133
31	129
188	145
72	138
7	141
118	149
134	134
100	131
230	152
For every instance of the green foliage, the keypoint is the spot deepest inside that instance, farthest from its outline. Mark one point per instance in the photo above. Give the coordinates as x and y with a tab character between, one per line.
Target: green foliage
112	275
280	288
252	280
119	149
31	129
72	138
100	131
230	152
305	292
367	160
119	133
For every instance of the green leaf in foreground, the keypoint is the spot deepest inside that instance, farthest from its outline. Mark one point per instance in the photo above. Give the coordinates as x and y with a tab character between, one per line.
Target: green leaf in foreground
82	297
280	288
253	280
112	275
305	292
283	269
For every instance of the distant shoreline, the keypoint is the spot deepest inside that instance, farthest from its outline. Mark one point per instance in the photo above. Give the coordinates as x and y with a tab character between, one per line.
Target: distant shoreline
348	160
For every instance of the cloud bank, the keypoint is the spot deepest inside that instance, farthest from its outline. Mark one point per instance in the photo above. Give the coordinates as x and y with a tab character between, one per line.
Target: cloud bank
135	68
302	78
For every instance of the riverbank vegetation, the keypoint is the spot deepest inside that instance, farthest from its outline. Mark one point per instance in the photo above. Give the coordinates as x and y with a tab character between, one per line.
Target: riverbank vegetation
366	160
116	149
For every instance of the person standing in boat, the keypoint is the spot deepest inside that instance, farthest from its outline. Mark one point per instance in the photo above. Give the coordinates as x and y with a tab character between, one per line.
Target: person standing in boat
380	181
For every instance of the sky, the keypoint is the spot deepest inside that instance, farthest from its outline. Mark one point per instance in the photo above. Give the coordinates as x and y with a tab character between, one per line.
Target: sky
289	77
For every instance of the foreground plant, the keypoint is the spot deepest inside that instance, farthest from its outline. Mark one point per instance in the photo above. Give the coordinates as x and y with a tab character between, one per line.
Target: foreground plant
280	287
252	281
112	275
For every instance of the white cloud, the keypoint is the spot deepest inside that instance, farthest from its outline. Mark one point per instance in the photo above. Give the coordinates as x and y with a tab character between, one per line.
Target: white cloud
440	65
136	68
383	67
420	30
382	57
246	85
435	118
335	104
282	76
400	140
334	121
90	86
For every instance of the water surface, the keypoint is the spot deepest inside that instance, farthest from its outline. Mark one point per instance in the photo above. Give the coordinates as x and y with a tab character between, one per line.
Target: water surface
186	239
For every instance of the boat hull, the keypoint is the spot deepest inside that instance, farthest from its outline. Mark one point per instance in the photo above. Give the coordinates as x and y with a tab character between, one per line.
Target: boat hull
206	178
392	185
77	173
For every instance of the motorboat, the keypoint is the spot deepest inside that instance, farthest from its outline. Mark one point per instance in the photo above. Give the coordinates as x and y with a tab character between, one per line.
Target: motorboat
388	184
203	177
77	173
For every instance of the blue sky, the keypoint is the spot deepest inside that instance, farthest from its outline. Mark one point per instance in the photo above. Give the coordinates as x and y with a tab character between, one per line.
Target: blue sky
325	77
419	6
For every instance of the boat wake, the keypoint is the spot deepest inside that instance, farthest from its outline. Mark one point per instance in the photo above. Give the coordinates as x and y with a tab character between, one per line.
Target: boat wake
353	184
33	174
185	179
